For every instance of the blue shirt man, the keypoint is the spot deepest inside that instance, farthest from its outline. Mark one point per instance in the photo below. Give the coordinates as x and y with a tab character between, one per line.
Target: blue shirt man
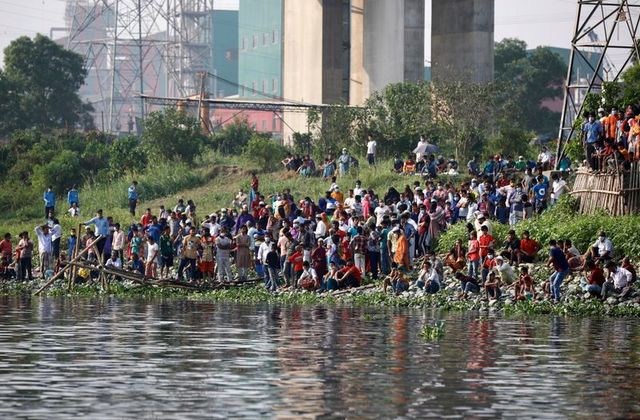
101	224
49	198
593	130
73	197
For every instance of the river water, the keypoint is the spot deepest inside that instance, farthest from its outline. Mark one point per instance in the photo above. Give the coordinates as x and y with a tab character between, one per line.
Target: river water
112	358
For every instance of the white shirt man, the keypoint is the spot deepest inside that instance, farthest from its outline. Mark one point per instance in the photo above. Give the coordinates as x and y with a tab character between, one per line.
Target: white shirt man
321	229
559	187
263	250
544	157
308	275
505	271
381	211
358	190
117	263
371	147
420	149
604	245
621	277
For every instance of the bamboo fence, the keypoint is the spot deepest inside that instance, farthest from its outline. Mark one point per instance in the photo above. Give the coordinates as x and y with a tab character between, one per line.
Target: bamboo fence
615	192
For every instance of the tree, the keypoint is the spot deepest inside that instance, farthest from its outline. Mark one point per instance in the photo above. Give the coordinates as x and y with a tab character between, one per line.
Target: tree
127	155
266	151
45	79
530	78
465	114
400	113
233	137
172	134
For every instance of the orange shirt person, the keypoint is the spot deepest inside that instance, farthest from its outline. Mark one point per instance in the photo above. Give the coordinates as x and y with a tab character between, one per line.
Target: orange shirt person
401	257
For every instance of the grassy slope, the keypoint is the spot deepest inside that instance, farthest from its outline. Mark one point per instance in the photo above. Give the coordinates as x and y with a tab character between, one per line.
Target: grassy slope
212	184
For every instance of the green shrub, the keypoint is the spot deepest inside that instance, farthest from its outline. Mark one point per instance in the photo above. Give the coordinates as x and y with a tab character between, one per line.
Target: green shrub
265	151
172	134
563	222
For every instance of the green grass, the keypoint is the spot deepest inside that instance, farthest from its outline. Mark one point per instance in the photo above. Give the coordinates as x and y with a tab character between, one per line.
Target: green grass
433	332
211	182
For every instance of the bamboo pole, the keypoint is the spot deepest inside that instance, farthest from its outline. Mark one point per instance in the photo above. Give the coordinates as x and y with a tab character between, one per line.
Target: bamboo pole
62	270
72	278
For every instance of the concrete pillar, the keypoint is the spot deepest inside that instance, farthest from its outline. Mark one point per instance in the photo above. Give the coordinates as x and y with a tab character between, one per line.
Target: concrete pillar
462	44
359	82
302	60
387	45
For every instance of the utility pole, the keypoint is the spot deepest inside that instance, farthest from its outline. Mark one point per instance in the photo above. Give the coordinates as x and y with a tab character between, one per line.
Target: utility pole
113	66
141	60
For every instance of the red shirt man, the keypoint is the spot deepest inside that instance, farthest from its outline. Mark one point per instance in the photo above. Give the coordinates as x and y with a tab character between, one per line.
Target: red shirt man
486	241
349	275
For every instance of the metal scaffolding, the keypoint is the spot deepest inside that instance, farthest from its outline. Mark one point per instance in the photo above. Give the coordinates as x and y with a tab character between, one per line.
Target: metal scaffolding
605	27
136	47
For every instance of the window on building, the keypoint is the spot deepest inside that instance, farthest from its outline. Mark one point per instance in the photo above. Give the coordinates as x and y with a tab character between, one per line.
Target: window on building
243	44
274	36
274	85
264	85
254	88
255	41
244	90
264	125
274	122
265	39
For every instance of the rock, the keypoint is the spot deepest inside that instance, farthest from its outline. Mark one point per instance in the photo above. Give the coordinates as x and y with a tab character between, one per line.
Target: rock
508	301
587	295
493	302
612	300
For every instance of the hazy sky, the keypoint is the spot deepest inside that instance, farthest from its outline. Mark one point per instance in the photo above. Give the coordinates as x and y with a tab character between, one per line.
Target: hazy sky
538	22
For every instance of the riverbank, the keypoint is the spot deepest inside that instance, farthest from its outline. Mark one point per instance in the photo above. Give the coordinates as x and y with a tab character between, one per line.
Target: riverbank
574	302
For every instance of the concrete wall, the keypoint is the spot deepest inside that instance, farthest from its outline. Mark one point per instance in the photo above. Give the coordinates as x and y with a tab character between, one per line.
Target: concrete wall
462	39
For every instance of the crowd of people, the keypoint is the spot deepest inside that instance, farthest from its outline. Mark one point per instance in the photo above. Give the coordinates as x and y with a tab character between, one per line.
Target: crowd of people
611	140
339	239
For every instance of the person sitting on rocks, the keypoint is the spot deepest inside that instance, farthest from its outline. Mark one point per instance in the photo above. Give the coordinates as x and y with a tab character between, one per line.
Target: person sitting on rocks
330	282
627	265
505	271
428	278
528	249
524	287
601	250
349	276
468	285
492	286
617	282
511	249
594	280
574	257
396	280
455	259
309	278
488	264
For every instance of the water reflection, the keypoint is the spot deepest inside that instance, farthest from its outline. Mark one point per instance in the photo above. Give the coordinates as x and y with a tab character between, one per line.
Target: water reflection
155	358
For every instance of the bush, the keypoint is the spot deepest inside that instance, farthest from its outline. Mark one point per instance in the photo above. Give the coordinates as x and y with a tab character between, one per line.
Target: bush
62	172
233	138
127	156
265	151
172	134
563	222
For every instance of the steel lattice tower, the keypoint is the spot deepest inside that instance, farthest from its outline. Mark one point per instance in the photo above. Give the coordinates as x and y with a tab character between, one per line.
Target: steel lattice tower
134	47
608	28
